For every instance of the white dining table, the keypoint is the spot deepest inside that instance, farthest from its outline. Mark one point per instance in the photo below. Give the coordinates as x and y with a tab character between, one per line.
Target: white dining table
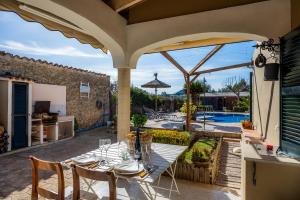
163	156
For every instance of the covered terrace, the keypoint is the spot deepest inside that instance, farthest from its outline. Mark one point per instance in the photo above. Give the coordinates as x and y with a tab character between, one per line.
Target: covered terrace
127	29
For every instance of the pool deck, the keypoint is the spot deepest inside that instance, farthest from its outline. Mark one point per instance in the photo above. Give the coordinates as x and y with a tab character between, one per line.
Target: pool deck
198	126
220	112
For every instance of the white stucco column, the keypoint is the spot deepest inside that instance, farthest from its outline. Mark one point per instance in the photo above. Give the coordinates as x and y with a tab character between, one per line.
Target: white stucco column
123	103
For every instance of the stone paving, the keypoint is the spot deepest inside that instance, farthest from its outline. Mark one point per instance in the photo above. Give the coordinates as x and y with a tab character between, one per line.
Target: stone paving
15	169
15	172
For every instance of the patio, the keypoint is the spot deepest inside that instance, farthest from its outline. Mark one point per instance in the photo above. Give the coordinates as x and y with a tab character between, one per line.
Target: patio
17	165
269	149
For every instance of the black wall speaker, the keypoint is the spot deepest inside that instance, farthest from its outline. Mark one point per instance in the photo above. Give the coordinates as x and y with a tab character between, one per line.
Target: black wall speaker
271	72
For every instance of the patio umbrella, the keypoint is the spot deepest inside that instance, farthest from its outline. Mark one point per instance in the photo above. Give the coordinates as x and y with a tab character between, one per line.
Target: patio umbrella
156	84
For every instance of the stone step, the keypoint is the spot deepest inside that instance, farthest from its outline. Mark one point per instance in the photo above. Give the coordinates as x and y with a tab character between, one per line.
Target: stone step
231	157
229	184
229	163
230	166
231	173
225	145
228	150
230	178
231	143
229	170
231	140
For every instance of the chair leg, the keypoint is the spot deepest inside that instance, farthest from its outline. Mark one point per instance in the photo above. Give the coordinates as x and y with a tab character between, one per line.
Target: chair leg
34	195
76	185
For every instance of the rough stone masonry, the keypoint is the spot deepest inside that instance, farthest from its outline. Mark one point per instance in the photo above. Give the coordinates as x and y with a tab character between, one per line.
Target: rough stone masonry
84	109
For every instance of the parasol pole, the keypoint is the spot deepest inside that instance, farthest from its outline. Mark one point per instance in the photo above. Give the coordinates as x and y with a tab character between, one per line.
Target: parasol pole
204	81
155	75
155	99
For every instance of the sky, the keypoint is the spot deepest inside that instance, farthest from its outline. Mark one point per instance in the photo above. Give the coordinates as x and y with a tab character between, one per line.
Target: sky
32	40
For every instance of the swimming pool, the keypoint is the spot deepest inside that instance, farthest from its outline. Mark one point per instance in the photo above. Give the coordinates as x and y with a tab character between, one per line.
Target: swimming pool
222	117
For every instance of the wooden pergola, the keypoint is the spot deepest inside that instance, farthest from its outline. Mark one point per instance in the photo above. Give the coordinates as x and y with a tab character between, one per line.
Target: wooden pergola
193	74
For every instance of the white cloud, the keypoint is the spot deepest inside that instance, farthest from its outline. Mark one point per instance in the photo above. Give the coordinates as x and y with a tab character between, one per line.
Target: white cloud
35	49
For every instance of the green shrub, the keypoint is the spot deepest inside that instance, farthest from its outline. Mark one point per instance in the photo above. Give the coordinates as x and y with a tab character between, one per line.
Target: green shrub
193	108
139	120
170	137
198	155
243	105
240	109
200	152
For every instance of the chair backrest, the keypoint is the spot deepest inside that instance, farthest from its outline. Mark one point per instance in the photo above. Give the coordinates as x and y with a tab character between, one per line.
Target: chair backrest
37	165
94	175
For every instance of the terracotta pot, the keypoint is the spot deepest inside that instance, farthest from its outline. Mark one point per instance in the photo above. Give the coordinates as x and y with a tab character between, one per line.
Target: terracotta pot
247	125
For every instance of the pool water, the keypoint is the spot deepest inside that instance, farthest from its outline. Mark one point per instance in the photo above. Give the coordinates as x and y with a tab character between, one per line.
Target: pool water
223	117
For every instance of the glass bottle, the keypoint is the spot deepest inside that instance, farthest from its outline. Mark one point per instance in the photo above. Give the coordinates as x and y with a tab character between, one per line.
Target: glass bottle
137	153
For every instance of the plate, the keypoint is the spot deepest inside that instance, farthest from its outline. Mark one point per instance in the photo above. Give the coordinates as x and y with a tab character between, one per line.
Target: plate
83	160
128	169
104	168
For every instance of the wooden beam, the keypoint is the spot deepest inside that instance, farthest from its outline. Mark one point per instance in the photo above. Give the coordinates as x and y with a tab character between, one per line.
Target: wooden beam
174	62
206	58
119	5
197	43
223	68
188	111
195	77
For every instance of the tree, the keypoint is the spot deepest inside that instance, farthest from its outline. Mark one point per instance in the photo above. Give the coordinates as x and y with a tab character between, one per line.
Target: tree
140	97
196	88
237	87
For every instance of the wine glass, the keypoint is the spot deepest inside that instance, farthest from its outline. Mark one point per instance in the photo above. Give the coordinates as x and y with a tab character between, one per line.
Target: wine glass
107	143
123	153
148	154
101	146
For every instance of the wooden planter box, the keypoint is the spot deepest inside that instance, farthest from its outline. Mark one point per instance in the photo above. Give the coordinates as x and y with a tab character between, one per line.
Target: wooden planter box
203	172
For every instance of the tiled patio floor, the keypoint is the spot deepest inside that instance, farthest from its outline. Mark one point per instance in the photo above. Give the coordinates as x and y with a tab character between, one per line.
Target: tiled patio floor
15	172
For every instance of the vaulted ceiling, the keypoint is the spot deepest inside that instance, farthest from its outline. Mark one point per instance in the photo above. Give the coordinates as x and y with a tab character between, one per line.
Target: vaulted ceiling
136	11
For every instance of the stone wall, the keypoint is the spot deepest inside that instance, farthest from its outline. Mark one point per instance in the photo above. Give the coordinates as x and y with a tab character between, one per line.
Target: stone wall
84	109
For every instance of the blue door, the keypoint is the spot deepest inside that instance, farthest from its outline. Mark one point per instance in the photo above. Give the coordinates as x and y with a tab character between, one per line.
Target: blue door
19	115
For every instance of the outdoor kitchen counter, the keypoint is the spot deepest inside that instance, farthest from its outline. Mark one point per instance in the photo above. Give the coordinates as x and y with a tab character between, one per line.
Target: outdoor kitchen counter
65	118
65	126
266	175
253	150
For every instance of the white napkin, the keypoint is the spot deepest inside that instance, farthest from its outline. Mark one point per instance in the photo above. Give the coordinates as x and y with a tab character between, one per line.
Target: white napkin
83	160
130	167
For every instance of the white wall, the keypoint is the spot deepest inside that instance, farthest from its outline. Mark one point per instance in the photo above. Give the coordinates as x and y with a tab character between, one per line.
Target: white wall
3	103
5	107
54	93
266	107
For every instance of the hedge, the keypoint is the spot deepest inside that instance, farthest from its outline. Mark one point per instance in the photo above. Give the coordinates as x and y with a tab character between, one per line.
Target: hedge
170	137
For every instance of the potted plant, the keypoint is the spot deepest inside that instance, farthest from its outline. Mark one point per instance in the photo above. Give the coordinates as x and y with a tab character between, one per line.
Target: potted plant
139	121
247	124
